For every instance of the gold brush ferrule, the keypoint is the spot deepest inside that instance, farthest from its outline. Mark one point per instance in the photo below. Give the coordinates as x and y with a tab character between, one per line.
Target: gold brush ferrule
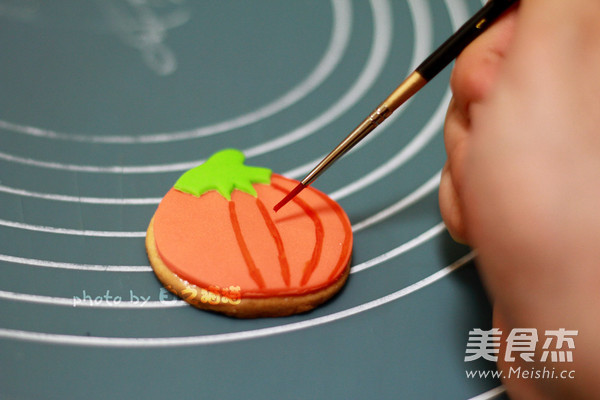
411	85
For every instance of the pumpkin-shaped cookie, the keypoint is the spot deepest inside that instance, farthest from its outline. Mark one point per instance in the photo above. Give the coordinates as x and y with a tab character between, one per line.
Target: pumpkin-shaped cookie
216	242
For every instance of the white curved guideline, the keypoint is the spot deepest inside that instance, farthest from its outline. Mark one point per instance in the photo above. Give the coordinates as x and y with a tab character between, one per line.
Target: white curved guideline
380	49
75	232
490	394
73	266
81	199
436	230
73	340
411	244
403	248
340	35
412	198
422	191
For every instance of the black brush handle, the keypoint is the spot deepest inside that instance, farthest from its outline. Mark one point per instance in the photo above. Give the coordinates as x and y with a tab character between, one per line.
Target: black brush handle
471	29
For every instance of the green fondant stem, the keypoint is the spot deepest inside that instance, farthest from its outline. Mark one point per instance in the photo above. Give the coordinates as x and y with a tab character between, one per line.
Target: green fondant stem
224	172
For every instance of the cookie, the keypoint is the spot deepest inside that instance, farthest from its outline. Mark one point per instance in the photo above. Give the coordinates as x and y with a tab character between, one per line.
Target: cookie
216	242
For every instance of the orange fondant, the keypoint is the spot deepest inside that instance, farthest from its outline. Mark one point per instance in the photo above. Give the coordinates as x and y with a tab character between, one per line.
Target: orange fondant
209	240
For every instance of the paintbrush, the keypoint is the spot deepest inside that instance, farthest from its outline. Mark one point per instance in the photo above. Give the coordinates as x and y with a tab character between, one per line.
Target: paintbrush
425	72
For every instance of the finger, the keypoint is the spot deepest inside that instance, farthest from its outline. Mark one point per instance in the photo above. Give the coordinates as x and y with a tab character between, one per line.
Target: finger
476	68
456	128
455	137
450	207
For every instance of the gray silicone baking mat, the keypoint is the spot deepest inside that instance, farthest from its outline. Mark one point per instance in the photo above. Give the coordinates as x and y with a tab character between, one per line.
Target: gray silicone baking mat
103	104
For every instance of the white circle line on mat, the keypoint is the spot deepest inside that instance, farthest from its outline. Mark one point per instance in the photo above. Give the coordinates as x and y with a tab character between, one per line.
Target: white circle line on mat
79	302
74	232
490	394
412	243
403	248
73	340
338	42
432	184
81	199
73	266
400	205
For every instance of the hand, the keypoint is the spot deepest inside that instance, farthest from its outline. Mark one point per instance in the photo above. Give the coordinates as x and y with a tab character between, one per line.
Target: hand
522	181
